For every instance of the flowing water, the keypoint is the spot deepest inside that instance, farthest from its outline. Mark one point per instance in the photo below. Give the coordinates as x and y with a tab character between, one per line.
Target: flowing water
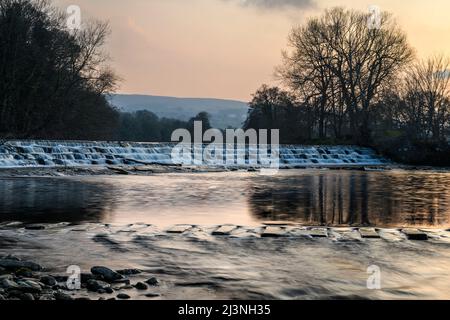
77	153
121	222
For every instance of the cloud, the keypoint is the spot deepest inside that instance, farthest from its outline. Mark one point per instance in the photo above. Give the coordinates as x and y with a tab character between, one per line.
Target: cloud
275	4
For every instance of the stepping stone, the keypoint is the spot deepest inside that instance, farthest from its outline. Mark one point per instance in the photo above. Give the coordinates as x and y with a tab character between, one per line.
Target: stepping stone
278	223
273	232
369	233
392	235
179	229
318	233
224	230
414	234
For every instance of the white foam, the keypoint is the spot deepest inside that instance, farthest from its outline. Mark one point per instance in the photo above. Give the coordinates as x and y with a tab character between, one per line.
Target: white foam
76	153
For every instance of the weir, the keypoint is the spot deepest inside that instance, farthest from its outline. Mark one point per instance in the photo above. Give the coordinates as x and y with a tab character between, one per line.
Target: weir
40	153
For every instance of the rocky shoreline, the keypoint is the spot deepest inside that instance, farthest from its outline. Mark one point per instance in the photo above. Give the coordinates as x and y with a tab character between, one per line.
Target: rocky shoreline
27	281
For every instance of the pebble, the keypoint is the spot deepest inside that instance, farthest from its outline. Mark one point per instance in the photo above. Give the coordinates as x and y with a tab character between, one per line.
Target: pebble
49	281
141	286
123	296
109	290
152	281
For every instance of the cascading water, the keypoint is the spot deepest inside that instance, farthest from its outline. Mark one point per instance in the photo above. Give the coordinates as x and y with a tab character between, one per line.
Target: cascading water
77	153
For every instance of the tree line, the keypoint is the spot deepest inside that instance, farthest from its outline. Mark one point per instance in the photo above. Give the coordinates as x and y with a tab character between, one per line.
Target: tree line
54	81
345	81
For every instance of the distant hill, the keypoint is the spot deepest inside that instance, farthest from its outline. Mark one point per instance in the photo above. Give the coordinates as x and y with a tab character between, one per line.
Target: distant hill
224	113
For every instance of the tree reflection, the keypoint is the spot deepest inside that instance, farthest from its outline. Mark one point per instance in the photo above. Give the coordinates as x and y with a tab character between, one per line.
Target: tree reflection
354	198
53	200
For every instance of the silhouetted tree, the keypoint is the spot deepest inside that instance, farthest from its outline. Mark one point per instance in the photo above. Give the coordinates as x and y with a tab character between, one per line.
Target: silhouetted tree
53	81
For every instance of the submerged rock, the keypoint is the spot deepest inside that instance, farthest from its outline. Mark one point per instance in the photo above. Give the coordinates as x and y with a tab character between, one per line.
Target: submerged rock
141	286
106	274
96	285
152	281
123	296
11	264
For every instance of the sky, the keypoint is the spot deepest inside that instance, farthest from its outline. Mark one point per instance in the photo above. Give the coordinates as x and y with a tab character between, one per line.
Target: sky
228	48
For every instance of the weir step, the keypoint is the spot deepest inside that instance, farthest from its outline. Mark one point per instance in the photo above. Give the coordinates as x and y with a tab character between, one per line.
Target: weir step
414	234
369	233
318	232
273	232
179	229
224	230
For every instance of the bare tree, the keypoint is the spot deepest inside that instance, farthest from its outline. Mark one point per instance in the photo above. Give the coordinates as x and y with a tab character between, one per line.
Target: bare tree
340	48
427	98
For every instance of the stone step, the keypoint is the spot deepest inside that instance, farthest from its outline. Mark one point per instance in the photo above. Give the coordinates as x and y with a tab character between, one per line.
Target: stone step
224	230
273	232
369	233
414	234
179	229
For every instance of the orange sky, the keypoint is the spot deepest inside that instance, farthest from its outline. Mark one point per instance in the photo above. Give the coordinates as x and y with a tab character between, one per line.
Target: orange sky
223	49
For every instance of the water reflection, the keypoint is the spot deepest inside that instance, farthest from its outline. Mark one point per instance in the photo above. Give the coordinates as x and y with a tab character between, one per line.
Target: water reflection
54	200
312	197
355	198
